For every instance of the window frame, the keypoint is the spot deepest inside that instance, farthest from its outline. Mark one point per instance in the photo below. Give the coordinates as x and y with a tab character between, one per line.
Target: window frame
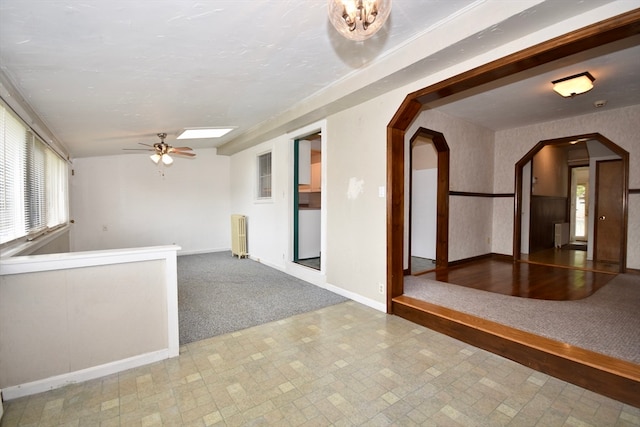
39	186
260	176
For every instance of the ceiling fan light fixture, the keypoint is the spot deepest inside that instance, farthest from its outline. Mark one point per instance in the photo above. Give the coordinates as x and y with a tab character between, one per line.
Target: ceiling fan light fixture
358	20
155	158
574	85
201	133
166	159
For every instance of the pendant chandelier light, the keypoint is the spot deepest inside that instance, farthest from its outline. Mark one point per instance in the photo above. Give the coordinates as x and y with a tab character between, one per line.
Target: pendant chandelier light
358	19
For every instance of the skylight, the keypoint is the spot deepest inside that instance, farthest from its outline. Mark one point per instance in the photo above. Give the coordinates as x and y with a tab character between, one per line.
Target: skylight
199	133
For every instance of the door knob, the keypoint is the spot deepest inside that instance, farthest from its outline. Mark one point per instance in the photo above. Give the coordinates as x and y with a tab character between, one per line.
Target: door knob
602	218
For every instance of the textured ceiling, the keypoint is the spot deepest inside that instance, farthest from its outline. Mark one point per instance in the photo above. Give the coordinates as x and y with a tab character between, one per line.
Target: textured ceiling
107	74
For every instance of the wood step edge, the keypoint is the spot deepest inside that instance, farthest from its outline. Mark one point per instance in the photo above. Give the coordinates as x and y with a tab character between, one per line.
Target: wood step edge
576	354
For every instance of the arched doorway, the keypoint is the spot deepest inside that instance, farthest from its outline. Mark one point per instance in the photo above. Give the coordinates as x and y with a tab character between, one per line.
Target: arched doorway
439	143
535	215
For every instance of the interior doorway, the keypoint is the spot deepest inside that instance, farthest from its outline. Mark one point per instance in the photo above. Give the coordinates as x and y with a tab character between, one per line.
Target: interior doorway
423	186
427	209
307	204
549	214
579	210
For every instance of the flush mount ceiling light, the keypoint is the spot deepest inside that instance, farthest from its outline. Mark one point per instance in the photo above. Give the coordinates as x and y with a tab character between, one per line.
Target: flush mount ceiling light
358	19
199	133
574	85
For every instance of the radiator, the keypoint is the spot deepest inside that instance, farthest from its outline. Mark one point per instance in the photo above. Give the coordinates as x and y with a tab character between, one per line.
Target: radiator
560	234
239	236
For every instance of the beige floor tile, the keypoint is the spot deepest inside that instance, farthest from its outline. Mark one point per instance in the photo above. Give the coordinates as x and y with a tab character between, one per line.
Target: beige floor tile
342	365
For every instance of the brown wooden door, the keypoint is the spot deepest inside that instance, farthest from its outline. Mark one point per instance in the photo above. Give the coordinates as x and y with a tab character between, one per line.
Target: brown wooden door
608	219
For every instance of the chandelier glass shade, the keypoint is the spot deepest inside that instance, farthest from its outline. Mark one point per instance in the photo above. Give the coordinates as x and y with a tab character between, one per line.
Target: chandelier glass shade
358	19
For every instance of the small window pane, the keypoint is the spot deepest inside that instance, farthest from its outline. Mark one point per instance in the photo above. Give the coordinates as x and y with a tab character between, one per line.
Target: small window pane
264	176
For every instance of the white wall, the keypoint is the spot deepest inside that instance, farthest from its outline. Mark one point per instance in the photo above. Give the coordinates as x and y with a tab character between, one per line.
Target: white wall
58	245
267	220
356	215
354	169
124	201
621	126
424	191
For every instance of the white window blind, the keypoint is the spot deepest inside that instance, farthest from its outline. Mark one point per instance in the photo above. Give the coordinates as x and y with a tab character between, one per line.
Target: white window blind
33	182
57	189
264	176
12	160
35	188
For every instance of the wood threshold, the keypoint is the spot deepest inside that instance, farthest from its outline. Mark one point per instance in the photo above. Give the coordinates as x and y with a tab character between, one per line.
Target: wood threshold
618	379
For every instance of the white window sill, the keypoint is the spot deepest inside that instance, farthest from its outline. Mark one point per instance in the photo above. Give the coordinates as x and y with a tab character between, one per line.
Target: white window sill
27	247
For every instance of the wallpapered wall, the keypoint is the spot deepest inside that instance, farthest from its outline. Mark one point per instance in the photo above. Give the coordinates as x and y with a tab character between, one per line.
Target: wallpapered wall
484	161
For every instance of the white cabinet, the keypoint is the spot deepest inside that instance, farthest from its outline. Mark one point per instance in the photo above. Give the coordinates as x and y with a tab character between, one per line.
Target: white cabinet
316	168
308	233
304	162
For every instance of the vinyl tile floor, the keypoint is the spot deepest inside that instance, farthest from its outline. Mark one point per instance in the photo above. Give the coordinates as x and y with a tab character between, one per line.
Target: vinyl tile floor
343	365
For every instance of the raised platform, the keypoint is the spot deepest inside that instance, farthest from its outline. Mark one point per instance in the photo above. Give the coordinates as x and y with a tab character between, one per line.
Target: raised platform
602	374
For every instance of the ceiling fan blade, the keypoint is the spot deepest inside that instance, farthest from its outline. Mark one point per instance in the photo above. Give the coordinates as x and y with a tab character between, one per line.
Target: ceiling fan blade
138	149
182	148
178	150
183	153
146	145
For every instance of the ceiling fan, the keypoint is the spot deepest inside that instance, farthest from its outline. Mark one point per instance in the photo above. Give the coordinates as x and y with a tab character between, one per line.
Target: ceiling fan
162	150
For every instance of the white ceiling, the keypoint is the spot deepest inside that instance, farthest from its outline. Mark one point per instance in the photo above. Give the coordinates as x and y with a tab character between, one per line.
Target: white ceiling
107	74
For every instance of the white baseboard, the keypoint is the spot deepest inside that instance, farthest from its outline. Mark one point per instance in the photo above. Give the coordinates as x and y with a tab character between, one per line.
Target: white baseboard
94	372
357	298
203	251
319	279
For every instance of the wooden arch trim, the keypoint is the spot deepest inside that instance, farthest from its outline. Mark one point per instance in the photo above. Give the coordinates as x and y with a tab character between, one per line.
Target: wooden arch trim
621	152
442	194
599	34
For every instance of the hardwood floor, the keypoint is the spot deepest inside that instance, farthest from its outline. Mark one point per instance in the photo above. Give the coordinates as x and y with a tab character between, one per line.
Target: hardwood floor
558	275
524	279
569	258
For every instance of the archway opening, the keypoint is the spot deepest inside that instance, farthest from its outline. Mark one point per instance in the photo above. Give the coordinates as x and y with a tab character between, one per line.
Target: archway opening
593	36
544	213
428	202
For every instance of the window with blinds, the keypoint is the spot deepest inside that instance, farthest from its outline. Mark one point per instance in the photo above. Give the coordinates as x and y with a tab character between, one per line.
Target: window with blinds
264	176
33	182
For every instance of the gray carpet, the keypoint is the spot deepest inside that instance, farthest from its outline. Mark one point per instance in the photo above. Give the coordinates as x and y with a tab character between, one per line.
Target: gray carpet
606	322
419	264
218	294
